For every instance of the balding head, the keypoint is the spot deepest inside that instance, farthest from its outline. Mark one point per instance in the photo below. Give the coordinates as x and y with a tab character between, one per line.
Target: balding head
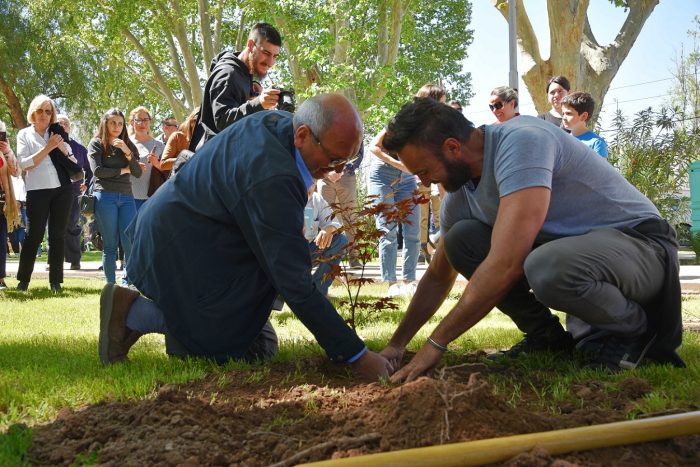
320	112
327	129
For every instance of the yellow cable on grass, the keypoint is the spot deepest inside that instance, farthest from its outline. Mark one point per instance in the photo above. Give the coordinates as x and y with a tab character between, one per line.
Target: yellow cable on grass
487	451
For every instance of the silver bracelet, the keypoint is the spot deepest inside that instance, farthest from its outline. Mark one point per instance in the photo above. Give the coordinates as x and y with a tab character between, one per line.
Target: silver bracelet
440	347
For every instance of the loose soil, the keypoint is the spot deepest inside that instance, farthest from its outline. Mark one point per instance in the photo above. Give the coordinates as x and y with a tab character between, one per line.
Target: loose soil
288	414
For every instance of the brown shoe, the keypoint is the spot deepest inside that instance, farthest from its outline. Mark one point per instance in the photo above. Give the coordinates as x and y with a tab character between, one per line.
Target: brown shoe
115	338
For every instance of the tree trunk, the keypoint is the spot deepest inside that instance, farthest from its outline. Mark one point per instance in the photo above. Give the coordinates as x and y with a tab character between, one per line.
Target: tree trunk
175	104
180	33
19	120
205	29
179	72
574	51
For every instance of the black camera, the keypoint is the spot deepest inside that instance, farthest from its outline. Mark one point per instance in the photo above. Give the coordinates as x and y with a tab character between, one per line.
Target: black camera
286	100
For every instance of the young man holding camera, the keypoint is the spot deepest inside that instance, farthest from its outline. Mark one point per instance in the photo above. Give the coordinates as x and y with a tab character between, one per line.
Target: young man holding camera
231	92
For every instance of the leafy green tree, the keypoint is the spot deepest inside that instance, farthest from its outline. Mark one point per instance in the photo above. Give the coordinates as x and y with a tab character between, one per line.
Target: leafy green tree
686	89
654	151
128	53
36	59
377	52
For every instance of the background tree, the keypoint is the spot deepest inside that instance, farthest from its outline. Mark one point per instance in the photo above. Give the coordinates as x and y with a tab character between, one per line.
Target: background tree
128	53
377	52
574	51
654	151
36	59
686	88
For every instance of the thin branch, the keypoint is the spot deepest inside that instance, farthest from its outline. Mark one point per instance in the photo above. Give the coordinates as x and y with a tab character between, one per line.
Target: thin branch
340	443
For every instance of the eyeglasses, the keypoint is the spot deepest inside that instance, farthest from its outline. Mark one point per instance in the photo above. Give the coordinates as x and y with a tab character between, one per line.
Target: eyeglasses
44	111
170	124
497	106
334	161
142	120
267	53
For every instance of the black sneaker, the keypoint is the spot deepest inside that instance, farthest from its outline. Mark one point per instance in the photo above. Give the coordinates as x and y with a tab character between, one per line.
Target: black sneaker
530	344
612	352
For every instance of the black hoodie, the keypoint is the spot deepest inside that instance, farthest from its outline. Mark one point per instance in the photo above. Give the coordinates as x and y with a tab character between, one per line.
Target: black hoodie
226	98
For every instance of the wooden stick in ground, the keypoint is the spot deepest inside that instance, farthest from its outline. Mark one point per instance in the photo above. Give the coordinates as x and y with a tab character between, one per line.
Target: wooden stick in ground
341	443
488	451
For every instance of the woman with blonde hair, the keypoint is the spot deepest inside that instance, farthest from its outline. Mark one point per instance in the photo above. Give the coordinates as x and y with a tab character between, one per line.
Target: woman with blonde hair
114	162
49	193
149	151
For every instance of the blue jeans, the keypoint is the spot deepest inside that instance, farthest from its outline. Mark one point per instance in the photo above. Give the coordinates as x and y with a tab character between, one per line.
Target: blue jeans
113	213
328	256
390	185
139	203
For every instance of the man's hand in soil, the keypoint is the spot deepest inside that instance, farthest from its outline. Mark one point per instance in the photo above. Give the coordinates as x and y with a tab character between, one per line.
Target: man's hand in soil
372	366
423	362
394	355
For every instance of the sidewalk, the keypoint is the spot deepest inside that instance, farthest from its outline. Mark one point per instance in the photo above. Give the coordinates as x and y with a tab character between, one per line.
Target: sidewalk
689	274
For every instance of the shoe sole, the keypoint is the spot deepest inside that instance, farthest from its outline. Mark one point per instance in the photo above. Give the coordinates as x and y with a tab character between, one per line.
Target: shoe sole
106	306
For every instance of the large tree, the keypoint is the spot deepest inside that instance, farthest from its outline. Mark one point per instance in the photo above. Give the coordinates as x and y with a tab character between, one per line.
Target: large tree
378	52
574	51
35	59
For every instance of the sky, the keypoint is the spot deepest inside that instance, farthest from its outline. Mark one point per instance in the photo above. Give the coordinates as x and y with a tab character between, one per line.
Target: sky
644	78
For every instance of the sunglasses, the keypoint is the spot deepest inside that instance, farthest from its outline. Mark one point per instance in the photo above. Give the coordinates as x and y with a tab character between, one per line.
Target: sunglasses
497	106
334	161
45	111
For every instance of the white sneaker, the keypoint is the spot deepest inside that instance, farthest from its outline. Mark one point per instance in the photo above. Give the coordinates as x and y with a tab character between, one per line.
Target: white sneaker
398	289
394	290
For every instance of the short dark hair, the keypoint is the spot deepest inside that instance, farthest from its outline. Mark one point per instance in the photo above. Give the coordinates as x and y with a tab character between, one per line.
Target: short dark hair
580	102
562	81
267	32
426	122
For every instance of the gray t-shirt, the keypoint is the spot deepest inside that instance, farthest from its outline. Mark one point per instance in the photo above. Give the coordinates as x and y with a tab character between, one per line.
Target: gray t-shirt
587	192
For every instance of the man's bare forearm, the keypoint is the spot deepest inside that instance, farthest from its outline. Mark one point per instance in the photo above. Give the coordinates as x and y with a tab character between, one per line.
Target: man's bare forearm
430	294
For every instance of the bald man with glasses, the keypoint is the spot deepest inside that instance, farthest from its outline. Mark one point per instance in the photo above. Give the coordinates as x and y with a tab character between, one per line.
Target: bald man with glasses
212	250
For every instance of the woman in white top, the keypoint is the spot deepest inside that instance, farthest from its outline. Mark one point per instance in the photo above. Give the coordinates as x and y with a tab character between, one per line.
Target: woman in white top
48	199
150	150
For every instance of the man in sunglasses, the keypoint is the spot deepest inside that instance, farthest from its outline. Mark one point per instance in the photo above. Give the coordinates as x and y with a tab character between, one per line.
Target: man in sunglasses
230	93
531	233
238	241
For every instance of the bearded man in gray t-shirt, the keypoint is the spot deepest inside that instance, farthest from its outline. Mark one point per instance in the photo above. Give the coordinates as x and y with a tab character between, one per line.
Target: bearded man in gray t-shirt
535	220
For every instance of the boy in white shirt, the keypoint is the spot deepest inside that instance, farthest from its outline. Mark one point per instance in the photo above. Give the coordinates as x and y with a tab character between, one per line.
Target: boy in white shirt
325	245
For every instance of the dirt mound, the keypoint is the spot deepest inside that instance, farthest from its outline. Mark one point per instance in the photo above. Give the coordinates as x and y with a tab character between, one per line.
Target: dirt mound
262	421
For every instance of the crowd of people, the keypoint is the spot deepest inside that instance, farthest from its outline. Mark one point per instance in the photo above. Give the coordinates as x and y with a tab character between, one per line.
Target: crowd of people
253	188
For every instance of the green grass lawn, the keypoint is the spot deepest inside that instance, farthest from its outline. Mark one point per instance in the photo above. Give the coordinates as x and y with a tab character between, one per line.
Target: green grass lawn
48	357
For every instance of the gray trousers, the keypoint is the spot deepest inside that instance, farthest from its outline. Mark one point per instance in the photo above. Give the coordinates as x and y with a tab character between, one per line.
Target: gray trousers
599	279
